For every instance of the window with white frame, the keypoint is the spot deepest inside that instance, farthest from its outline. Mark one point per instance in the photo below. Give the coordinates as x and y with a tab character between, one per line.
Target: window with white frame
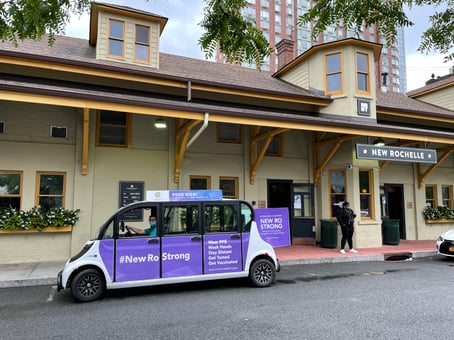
264	15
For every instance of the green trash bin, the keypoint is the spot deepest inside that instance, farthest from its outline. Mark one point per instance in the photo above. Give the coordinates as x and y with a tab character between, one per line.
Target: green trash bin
390	231
328	233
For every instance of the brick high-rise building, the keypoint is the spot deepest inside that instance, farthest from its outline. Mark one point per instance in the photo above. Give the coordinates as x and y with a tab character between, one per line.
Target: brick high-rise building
278	20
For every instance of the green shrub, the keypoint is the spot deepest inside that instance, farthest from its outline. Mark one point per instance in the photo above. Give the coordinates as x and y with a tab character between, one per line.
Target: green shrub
36	218
438	213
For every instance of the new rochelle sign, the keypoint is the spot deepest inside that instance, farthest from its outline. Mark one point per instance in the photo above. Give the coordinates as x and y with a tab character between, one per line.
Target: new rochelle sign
391	153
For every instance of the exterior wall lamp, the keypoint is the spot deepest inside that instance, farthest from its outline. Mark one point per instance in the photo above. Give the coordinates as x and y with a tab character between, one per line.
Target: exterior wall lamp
379	142
160	123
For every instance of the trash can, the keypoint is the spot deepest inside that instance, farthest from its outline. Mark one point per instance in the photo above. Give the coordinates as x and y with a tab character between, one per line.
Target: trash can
390	231
328	233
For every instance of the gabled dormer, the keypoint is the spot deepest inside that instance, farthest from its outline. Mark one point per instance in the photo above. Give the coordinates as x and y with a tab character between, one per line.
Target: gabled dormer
343	69
126	35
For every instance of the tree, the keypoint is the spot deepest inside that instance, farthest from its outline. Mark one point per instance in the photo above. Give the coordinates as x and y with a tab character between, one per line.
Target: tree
237	37
31	19
388	16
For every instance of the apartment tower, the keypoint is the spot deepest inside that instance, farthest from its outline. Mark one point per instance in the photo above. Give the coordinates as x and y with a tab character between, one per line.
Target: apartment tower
278	20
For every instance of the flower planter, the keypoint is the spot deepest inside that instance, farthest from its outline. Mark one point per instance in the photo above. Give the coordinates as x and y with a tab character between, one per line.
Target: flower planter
65	229
441	221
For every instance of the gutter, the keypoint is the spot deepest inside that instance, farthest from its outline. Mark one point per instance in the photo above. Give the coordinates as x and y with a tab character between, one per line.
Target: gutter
198	133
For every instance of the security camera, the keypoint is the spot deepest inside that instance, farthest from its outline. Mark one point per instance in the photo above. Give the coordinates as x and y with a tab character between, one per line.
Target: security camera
349	166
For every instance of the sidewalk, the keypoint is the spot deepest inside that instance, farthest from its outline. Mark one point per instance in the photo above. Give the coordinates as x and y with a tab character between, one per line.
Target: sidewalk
45	273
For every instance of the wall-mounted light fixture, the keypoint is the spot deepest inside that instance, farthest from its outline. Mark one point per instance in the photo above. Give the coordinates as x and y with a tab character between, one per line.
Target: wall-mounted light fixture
160	123
379	142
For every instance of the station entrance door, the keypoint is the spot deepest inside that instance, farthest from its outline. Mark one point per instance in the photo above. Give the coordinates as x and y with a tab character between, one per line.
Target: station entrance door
299	199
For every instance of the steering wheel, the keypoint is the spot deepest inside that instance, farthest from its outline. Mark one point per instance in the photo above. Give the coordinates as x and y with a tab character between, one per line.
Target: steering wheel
129	232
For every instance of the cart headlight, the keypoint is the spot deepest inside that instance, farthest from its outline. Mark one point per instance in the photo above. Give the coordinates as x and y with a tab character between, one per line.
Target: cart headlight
82	252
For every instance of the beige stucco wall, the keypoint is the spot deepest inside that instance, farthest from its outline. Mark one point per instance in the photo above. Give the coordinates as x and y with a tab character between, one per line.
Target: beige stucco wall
35	247
26	146
146	160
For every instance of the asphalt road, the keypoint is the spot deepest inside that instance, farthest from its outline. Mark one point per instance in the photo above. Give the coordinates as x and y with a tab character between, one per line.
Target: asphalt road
358	300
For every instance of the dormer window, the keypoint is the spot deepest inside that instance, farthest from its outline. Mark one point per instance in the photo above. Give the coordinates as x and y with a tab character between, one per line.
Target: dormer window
125	35
116	38
142	44
333	73
362	73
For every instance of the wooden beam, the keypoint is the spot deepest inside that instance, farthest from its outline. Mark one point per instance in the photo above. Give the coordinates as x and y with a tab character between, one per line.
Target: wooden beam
316	148
422	176
85	140
181	141
256	152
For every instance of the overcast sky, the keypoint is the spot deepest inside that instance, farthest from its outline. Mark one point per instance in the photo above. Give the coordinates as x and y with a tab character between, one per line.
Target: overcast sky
182	32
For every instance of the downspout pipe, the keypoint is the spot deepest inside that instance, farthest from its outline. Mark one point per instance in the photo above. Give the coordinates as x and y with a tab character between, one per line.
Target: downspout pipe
198	133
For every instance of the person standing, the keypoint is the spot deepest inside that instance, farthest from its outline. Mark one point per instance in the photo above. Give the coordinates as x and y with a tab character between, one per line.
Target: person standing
346	218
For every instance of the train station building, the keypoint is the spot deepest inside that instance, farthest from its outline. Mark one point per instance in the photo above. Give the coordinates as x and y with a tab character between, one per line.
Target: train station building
97	115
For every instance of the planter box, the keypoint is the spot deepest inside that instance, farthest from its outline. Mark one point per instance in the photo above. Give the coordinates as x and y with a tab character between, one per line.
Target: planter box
65	229
441	221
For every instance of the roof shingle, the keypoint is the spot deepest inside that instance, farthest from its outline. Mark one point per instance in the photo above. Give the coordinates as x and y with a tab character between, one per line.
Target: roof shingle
74	50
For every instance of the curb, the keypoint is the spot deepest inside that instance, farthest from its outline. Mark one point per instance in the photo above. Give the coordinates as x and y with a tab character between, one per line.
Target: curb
356	258
421	254
336	259
45	281
28	282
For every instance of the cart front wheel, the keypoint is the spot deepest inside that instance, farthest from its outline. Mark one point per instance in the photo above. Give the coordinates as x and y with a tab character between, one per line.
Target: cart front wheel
262	273
88	285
